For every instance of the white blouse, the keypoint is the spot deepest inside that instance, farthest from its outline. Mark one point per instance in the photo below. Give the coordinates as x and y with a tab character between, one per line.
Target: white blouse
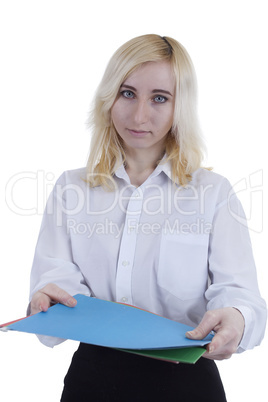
174	251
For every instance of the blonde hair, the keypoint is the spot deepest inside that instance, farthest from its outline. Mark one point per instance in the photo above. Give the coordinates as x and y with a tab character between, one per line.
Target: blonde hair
184	145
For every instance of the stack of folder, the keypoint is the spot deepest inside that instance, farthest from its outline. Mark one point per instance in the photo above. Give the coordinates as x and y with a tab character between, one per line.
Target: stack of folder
115	325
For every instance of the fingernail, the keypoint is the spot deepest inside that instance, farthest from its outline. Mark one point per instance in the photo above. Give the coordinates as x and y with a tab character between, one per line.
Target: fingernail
190	334
211	349
71	302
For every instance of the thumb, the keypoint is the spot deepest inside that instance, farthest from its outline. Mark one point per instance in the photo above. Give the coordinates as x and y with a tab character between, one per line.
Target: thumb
207	325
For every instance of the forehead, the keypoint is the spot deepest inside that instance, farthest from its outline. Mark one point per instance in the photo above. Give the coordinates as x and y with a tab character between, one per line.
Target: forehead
153	74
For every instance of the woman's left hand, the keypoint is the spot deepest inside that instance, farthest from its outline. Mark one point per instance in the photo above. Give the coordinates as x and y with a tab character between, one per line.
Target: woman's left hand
228	324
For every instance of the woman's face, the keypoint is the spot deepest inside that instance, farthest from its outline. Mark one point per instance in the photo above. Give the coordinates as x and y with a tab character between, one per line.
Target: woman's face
143	111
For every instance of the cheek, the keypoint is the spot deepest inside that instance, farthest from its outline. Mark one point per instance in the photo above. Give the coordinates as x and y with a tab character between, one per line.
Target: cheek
113	115
170	118
164	122
117	115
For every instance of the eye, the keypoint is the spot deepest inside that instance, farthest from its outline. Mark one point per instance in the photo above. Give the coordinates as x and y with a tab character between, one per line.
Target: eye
127	94
160	99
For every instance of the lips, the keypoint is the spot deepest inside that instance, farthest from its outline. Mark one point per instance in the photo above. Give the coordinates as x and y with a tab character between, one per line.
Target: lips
138	133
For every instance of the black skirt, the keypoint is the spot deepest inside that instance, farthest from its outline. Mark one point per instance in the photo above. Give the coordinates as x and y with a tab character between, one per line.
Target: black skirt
101	374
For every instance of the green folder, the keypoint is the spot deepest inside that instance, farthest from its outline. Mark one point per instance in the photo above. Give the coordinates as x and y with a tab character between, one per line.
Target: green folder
183	355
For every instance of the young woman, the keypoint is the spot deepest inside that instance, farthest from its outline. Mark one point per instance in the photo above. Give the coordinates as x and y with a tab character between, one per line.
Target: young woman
145	224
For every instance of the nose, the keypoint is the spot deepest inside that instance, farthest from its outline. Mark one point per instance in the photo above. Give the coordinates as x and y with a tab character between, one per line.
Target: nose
141	112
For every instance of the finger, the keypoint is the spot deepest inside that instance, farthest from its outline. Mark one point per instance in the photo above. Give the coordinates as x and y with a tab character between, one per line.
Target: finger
43	299
220	339
217	356
58	295
208	323
40	302
44	302
222	346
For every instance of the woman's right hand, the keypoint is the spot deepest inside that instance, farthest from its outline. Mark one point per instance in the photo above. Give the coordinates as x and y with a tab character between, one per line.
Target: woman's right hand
49	295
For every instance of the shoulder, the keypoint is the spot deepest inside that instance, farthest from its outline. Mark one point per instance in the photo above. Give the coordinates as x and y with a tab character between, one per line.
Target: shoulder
213	183
75	177
207	177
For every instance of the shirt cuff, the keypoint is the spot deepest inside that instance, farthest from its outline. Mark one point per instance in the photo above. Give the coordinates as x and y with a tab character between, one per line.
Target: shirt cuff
246	342
50	341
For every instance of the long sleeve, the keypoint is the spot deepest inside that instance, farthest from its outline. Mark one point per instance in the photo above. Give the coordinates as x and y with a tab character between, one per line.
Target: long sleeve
53	260
232	270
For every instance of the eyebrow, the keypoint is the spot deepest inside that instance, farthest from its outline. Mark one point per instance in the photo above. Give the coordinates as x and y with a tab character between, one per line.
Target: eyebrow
154	91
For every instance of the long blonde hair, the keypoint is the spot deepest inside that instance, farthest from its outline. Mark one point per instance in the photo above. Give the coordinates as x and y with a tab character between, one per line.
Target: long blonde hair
184	145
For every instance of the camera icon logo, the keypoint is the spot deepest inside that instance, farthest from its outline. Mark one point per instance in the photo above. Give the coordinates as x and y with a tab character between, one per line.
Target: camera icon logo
250	192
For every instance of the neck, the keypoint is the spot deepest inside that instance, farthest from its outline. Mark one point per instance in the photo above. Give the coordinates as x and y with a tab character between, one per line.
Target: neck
140	164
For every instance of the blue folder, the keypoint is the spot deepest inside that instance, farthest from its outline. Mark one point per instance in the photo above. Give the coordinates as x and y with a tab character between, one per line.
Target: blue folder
109	324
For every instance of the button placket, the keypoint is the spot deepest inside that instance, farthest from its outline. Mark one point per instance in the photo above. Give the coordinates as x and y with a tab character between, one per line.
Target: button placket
127	248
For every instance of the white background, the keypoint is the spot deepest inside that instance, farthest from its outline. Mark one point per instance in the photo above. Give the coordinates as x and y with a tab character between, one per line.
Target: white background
53	54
